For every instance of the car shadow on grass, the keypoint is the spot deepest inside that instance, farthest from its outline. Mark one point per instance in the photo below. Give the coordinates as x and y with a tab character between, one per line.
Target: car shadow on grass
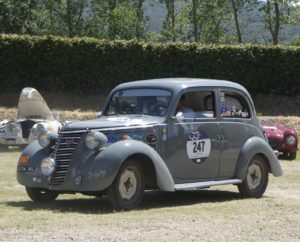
152	199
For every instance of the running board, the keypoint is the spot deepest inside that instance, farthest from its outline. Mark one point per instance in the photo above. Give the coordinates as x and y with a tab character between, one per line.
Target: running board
206	184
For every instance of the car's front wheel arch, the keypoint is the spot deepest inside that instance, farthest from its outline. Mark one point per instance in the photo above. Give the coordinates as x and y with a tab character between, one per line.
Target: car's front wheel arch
256	146
148	169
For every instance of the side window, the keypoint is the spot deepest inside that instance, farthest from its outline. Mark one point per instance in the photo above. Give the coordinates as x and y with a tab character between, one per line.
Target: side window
196	105
233	105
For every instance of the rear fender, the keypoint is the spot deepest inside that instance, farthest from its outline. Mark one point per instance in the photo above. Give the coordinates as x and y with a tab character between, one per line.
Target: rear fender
257	146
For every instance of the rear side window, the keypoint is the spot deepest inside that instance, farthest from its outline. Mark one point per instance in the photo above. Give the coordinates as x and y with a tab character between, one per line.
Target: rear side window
233	105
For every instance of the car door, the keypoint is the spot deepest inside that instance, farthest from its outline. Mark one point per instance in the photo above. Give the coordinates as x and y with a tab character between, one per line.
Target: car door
236	127
193	141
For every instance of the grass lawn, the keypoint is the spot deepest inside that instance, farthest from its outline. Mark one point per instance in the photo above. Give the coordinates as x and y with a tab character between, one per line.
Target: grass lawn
216	214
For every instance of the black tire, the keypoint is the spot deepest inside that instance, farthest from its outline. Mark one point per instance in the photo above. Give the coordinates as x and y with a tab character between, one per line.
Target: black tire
292	155
127	190
41	195
284	156
256	180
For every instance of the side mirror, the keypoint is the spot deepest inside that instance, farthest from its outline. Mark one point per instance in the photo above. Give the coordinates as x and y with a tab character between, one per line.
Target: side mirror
98	115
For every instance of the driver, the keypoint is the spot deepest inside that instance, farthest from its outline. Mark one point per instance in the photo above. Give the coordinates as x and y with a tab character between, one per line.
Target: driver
149	105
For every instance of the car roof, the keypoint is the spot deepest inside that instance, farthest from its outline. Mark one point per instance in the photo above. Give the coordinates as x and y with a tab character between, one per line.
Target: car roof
177	84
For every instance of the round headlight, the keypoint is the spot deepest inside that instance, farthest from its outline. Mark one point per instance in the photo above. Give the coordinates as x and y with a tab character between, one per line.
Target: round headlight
290	140
12	128
34	131
47	166
41	128
95	140
44	139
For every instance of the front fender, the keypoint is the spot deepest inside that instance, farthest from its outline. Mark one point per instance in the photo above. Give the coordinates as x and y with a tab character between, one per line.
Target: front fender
36	154
257	146
112	157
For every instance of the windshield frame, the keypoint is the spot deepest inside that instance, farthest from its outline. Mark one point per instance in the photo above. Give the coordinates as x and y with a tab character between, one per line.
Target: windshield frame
109	99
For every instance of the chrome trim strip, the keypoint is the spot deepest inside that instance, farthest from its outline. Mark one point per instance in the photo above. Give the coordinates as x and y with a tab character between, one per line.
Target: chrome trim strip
108	129
196	185
67	149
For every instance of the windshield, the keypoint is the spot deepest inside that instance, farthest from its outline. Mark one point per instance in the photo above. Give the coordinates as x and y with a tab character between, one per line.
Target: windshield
152	102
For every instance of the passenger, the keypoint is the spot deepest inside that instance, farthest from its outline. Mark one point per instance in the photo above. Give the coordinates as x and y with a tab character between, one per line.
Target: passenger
183	111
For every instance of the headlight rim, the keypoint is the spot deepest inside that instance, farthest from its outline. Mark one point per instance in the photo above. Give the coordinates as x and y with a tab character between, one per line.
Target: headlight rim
288	139
45	170
7	128
40	139
99	137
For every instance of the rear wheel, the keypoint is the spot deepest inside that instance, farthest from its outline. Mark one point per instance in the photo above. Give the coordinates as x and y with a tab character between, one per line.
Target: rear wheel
256	180
284	156
41	195
127	190
292	156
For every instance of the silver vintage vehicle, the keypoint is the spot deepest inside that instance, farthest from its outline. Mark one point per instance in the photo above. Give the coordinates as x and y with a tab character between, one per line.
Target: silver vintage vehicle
33	117
169	134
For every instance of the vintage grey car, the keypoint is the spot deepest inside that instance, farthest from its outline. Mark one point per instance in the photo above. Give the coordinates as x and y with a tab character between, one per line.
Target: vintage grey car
169	134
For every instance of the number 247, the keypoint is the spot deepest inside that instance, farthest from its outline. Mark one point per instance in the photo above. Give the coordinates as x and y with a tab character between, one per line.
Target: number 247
198	146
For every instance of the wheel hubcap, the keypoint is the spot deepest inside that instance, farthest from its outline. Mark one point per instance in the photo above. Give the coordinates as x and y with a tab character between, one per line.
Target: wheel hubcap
254	176
127	184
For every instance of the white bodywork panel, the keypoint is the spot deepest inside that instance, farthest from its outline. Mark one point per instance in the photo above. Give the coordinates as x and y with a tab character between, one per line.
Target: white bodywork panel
33	106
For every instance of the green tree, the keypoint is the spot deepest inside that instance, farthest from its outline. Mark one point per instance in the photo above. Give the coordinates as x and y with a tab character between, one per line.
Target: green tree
116	19
140	25
206	20
17	16
169	26
277	13
195	4
238	9
123	23
236	5
69	15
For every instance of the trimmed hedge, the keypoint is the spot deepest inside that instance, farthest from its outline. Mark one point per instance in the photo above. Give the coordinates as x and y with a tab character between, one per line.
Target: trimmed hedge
90	66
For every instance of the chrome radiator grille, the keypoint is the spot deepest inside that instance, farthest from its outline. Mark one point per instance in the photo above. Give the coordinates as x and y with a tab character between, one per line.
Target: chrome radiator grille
274	143
65	147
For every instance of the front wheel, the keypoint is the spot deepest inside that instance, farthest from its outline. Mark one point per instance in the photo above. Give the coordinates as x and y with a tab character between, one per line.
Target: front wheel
256	180
127	190
41	195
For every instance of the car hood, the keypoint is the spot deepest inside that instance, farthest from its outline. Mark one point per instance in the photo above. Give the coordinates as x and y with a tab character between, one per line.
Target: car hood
33	106
273	130
113	122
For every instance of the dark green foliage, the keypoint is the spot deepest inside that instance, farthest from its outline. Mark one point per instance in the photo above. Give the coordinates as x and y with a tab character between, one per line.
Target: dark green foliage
85	65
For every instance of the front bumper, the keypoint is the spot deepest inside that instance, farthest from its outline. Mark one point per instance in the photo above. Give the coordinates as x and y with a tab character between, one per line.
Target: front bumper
85	173
279	145
13	140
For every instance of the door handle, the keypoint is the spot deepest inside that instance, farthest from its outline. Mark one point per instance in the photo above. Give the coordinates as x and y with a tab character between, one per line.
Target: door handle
221	132
220	137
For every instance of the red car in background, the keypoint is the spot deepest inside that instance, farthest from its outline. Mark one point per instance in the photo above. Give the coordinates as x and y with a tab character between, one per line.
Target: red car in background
282	138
